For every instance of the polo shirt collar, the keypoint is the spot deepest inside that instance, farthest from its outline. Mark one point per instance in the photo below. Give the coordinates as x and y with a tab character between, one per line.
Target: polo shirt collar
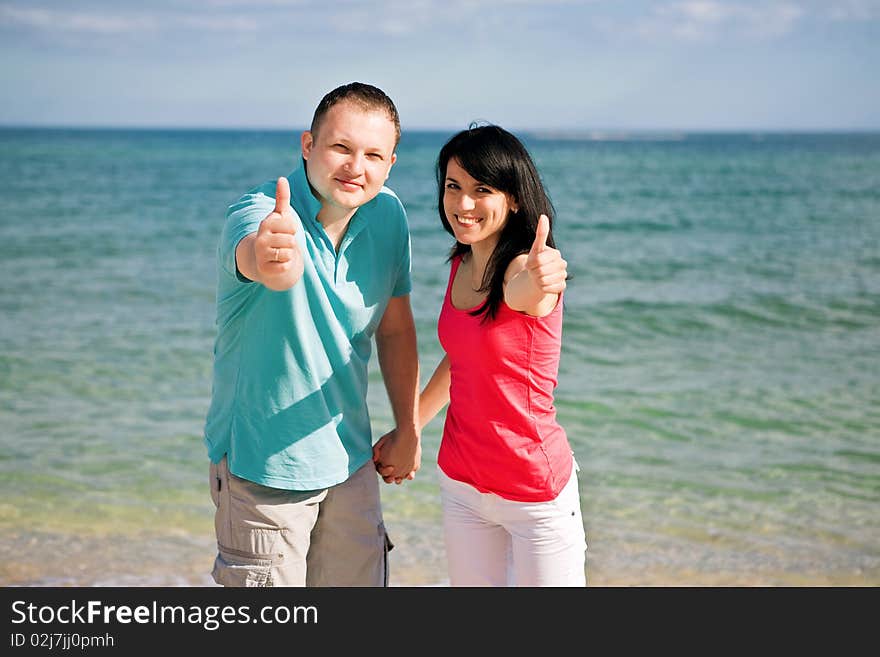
305	203
307	206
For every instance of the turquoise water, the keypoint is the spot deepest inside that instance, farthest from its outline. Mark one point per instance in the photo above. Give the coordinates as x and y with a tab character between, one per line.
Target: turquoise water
720	377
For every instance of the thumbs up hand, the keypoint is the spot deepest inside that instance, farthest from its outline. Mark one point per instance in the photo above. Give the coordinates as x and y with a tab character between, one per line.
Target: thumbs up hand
275	235
546	268
278	259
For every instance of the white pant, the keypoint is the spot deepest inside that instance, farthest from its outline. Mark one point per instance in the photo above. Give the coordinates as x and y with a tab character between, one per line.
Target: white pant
491	541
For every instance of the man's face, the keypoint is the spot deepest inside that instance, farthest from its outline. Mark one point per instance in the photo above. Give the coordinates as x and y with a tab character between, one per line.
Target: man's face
350	155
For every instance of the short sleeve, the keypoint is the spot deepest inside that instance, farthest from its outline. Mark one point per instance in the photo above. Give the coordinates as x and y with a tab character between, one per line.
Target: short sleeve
243	218
403	283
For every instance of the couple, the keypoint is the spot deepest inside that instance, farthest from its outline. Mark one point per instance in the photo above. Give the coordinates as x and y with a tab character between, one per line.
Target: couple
311	267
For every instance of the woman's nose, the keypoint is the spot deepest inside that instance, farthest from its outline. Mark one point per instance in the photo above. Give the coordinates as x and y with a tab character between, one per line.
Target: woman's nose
465	202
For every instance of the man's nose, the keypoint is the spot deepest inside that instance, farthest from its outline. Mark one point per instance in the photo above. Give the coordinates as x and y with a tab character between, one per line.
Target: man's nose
355	164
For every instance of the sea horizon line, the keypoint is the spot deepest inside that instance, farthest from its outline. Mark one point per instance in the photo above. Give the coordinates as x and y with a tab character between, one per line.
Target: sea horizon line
547	132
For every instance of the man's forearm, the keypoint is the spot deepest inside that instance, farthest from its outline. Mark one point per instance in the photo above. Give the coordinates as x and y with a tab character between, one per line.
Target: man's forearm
399	363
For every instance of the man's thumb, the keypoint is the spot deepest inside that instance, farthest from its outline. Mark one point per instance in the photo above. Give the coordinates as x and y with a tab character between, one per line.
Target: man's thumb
282	195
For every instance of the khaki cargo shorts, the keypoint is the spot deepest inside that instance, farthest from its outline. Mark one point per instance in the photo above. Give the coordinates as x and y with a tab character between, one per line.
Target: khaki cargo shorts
274	537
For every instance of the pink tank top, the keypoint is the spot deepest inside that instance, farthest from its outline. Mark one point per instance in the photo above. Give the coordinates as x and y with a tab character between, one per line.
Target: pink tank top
501	435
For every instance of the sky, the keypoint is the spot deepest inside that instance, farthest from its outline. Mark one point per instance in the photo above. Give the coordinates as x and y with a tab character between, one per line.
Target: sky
578	65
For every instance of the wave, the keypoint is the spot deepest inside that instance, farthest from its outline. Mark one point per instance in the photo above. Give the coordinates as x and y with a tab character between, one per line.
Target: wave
631	317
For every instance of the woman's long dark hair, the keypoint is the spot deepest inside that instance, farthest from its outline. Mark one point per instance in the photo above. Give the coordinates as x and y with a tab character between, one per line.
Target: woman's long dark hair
496	158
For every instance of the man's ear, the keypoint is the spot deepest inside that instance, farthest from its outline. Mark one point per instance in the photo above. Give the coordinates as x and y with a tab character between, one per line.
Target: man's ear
393	160
306	142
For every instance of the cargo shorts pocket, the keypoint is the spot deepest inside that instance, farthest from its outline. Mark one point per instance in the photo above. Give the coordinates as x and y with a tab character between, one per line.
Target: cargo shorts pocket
387	546
234	568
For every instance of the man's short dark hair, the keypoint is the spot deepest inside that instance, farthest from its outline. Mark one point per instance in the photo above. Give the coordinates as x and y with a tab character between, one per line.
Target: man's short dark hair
365	95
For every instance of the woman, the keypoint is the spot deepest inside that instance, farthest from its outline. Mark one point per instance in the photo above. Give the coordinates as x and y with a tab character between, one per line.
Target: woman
511	507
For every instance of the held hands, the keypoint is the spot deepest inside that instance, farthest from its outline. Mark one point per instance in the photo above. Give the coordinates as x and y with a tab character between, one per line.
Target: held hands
545	266
397	456
277	254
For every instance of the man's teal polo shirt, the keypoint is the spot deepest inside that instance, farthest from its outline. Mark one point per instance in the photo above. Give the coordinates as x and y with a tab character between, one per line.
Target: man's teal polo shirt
288	405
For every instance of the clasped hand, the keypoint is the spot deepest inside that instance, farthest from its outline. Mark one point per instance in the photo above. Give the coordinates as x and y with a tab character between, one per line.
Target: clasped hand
397	456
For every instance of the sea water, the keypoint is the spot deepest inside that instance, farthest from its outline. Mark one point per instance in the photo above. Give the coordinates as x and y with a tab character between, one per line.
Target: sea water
719	380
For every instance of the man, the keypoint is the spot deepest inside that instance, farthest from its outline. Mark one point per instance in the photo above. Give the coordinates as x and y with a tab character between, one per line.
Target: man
301	292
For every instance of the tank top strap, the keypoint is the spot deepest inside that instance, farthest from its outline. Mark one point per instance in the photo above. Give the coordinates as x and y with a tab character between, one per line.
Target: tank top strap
456	261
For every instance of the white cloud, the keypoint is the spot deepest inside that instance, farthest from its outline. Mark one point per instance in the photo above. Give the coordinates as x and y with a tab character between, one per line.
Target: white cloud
659	20
853	10
238	24
54	20
105	23
407	17
708	20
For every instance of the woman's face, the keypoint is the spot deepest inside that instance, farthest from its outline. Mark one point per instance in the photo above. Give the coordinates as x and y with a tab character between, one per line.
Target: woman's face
476	211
